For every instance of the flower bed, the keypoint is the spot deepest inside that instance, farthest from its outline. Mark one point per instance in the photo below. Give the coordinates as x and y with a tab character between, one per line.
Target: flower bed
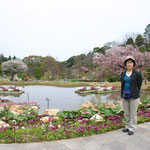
95	90
70	124
10	90
20	103
4	101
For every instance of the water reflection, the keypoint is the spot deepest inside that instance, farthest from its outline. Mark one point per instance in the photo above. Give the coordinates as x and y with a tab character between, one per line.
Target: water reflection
10	94
62	98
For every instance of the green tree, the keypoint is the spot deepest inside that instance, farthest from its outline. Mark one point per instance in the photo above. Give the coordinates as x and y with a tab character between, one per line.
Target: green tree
49	64
101	50
9	58
130	41
143	48
147	33
38	73
2	58
14	57
96	50
139	41
0	69
33	62
70	61
148	47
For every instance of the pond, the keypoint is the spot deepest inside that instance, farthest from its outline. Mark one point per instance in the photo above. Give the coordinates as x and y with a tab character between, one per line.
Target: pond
60	97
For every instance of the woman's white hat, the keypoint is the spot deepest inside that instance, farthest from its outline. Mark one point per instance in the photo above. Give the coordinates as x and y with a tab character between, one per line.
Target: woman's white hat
129	58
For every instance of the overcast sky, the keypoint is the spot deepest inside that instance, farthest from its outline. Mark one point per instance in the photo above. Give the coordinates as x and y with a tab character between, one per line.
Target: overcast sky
63	28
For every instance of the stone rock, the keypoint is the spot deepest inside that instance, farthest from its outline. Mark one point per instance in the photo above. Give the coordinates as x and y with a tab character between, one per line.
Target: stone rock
36	108
15	113
16	108
48	118
55	118
51	112
3	124
97	118
110	105
20	111
1	108
119	103
86	105
148	104
45	119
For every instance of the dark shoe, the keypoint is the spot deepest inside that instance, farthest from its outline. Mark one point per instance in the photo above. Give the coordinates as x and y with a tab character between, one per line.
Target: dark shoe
130	133
125	130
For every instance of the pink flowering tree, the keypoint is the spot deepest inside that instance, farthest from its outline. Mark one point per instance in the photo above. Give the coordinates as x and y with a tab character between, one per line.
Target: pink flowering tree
112	61
84	69
14	66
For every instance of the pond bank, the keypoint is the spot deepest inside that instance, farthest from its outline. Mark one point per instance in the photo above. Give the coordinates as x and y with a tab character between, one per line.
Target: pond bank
47	83
117	85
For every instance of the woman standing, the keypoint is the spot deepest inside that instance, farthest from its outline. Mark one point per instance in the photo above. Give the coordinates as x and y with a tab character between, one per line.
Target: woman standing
131	81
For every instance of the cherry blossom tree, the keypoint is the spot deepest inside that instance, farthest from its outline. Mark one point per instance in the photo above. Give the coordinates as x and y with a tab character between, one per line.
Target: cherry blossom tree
14	66
112	61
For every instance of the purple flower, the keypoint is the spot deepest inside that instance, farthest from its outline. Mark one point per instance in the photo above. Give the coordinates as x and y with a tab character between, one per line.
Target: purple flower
104	89
67	132
84	69
23	103
37	118
80	129
4	89
83	121
52	128
81	117
113	88
96	128
83	89
41	122
105	125
63	125
93	88
89	127
4	100
30	121
3	128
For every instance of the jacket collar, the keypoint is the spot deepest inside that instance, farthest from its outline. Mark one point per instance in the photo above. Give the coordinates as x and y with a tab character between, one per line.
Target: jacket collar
133	73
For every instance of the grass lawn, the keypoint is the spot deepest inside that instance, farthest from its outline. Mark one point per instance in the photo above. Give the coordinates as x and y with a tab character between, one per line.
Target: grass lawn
117	85
48	83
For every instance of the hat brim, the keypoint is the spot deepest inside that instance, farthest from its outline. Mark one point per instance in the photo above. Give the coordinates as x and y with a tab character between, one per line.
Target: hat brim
127	60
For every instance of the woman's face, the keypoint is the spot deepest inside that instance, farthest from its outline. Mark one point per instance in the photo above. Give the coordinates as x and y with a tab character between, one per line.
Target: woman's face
129	64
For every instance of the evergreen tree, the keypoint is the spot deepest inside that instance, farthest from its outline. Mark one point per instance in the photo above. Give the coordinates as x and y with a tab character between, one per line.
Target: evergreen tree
139	41
130	41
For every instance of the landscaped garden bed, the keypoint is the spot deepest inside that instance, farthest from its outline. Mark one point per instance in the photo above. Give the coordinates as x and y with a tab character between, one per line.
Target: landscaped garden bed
88	120
95	90
10	90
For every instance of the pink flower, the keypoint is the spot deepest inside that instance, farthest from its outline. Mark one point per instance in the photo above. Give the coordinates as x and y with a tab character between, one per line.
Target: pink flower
83	89
85	69
113	88
66	131
104	89
93	88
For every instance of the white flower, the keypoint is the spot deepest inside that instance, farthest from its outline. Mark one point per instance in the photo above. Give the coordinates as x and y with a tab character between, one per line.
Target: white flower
51	125
14	121
10	90
22	127
59	126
